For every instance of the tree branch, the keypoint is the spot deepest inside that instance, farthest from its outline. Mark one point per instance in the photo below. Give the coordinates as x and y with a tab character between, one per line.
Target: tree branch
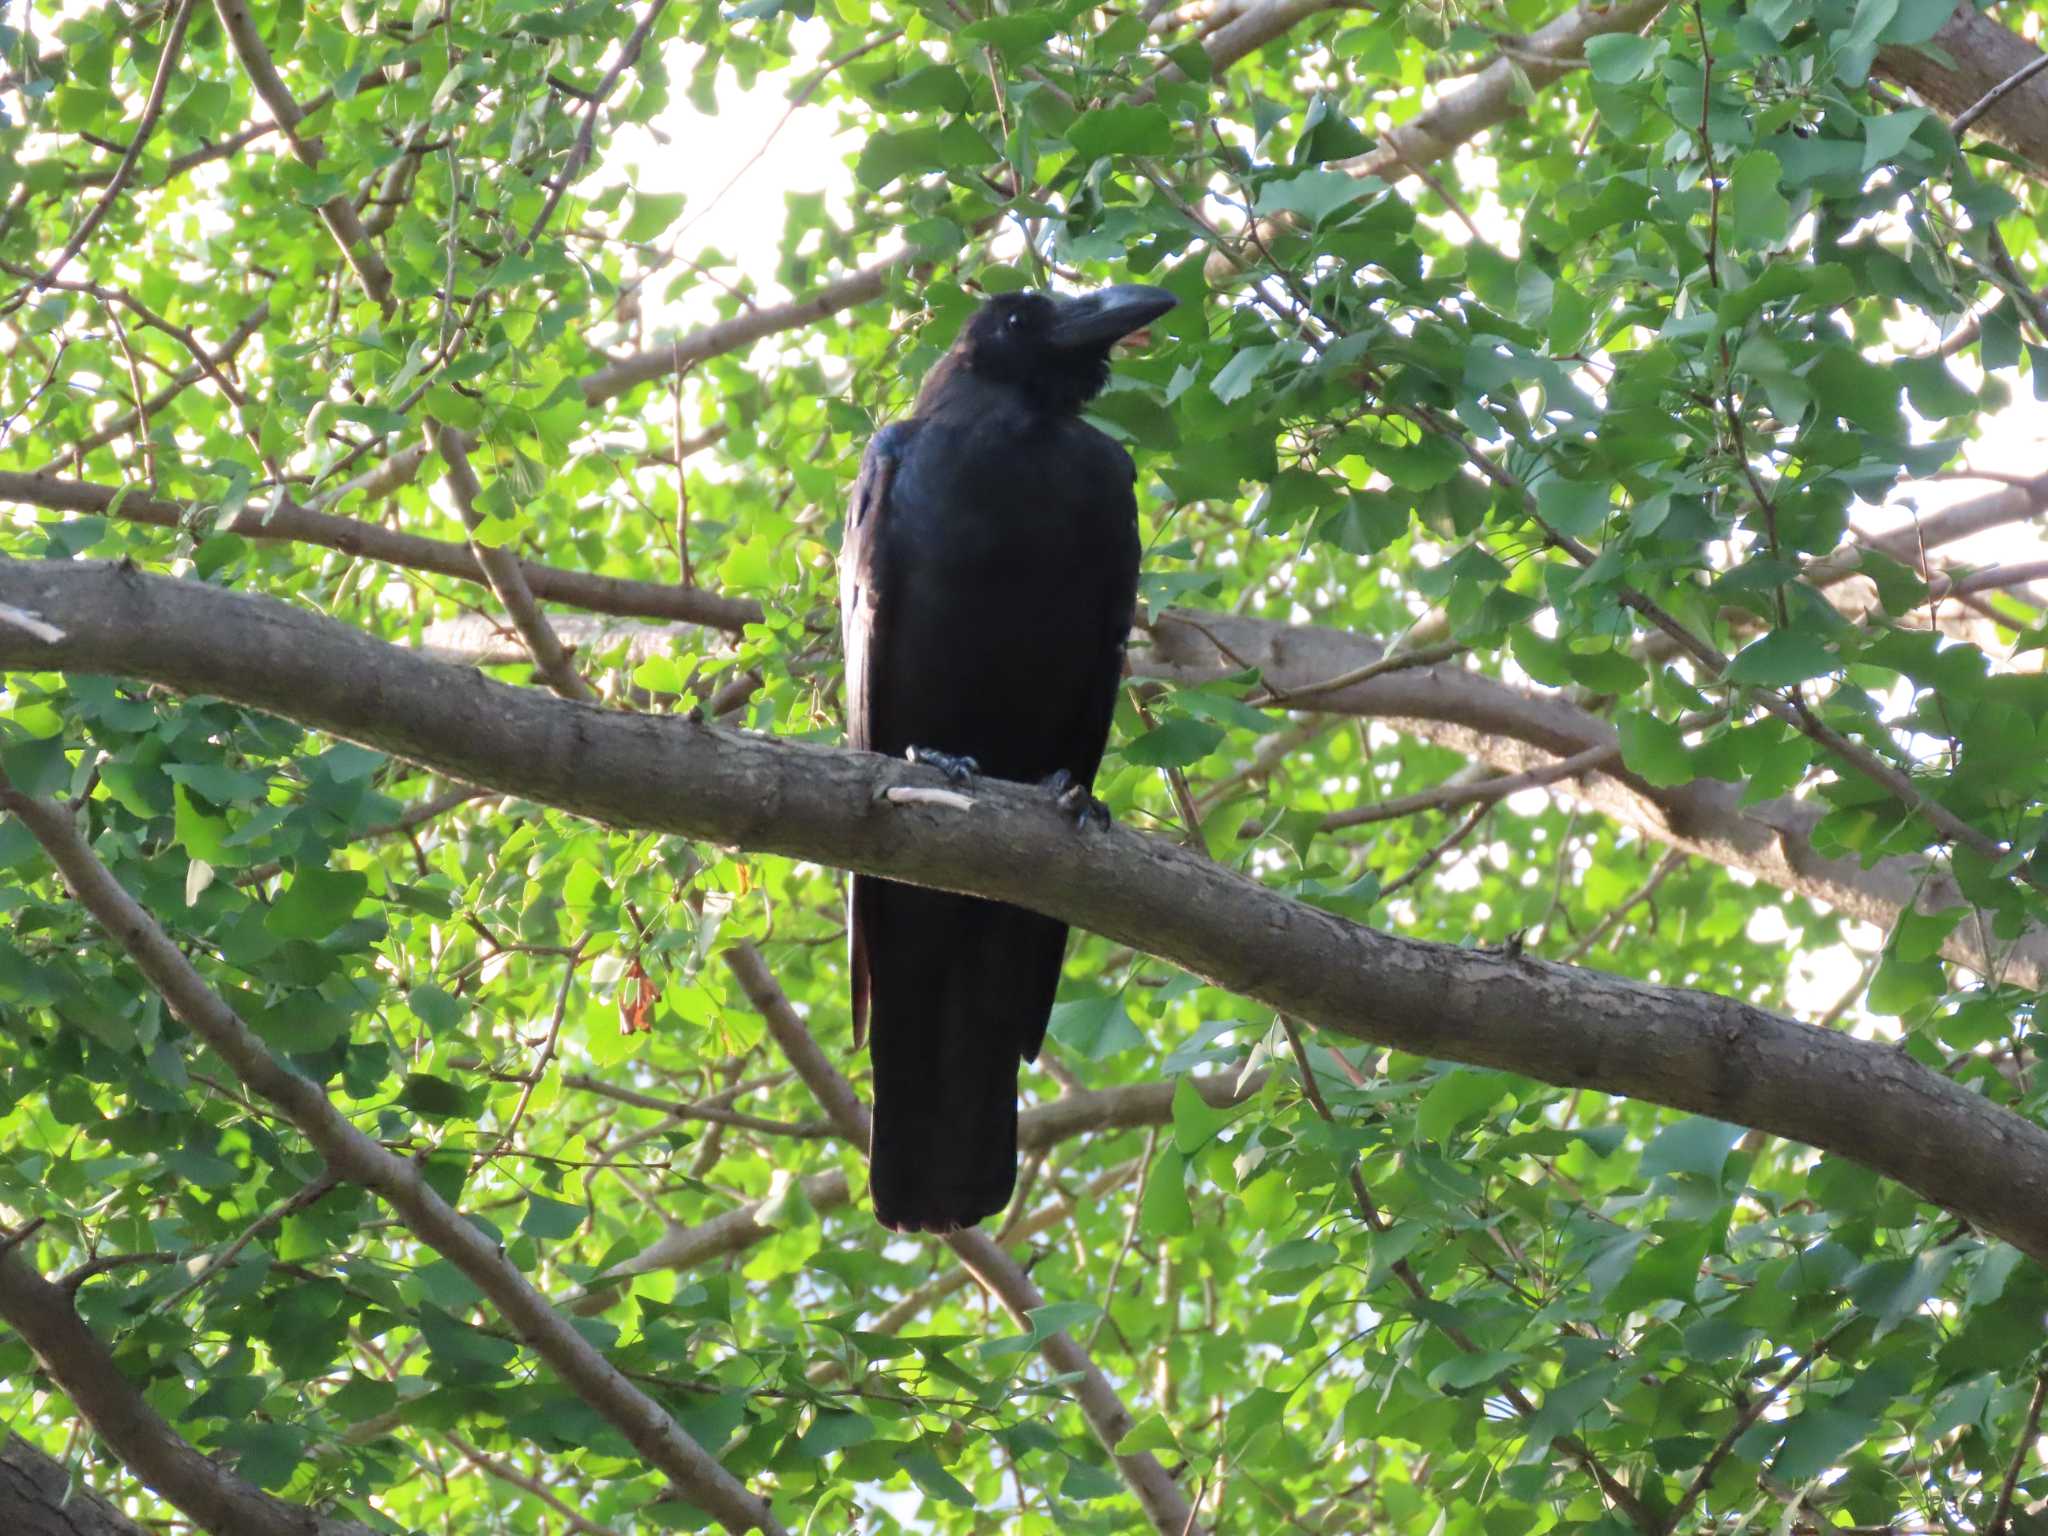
369	541
1000	1275
507	579
337	213
741	330
1688	1050
1517	730
38	1498
352	1155
1039	1127
83	1369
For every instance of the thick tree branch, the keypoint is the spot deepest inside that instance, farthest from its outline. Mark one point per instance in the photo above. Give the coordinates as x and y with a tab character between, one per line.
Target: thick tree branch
1513	730
1518	731
1165	1505
352	1155
1972	55
1687	1050
83	1369
37	1498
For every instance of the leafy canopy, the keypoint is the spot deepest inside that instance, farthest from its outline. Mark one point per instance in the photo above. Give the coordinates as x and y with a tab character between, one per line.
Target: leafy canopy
1693	330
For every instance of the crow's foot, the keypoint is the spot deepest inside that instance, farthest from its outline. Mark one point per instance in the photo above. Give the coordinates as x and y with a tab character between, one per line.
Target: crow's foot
1076	799
958	770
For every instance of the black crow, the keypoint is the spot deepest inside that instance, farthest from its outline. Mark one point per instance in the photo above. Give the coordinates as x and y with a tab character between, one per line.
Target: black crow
987	583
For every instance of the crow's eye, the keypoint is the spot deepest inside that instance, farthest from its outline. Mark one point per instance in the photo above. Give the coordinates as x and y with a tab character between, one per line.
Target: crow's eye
1016	320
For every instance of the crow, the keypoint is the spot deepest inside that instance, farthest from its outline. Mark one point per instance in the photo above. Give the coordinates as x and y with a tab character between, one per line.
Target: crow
988	577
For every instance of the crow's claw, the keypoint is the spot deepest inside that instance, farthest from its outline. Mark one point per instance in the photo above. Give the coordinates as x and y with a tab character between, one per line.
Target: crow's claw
959	770
1075	798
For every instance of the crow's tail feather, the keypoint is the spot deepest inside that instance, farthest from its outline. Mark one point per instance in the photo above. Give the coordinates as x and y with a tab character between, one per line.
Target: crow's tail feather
958	993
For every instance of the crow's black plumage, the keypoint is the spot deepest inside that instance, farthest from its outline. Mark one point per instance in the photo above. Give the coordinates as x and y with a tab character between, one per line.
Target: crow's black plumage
987	583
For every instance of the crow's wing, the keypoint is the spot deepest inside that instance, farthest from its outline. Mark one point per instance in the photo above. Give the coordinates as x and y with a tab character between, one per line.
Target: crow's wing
862	613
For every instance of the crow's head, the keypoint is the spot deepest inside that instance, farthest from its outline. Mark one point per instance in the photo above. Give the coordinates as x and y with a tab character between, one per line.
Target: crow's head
1053	348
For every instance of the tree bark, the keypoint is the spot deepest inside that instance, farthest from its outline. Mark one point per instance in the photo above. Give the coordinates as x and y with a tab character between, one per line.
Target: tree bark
33	1498
1687	1050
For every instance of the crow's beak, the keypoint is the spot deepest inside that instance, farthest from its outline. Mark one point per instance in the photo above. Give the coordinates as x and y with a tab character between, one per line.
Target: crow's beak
1102	318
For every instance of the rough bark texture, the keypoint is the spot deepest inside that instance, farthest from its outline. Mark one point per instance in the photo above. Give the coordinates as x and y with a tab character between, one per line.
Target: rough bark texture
349	1154
33	1501
1516	729
1688	1050
1981	52
216	1498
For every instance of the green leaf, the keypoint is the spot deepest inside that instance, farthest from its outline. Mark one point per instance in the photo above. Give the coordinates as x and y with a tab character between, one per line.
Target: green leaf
1456	1099
833	1430
1314	195
915	151
1915	21
1570	507
1021	32
1235	379
1782	658
1174	744
935	88
1758	215
1121	131
1095	1027
458	1352
1617	58
551	1220
1461	1373
1164	1211
933	1479
436	1098
1417	466
1195	1123
1085	1482
1818	1439
1151	1433
202	834
1900	985
1887	133
1693	1145
1654	749
653	212
317	902
1607	671
267	1454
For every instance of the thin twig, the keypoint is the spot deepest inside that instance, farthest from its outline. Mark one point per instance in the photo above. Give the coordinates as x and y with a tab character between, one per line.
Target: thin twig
1991	98
547	1052
2001	1517
1753	1411
1666	867
152	109
1486	792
